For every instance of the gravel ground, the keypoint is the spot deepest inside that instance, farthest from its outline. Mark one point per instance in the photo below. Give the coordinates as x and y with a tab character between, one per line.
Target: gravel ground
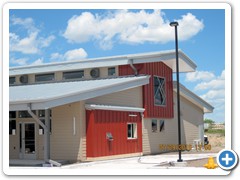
217	143
199	163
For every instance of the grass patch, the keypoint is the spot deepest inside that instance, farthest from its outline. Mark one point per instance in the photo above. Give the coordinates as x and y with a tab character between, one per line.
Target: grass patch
216	131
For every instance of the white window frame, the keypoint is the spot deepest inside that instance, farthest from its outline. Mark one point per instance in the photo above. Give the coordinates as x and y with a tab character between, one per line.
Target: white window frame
114	74
154	130
64	75
133	130
162	88
42	119
163	129
11	83
48	74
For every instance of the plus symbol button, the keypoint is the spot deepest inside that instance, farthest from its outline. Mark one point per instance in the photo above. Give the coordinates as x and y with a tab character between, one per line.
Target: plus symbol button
227	159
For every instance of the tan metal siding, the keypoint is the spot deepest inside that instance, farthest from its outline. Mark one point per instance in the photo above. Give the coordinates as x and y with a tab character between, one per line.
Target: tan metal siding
64	144
131	97
58	76
14	146
152	140
191	116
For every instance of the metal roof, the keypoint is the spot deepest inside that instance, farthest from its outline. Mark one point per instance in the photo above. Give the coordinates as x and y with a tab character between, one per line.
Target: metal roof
167	57
44	96
207	108
113	108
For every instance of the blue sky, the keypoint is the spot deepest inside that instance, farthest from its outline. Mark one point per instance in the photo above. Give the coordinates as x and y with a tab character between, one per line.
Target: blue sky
42	36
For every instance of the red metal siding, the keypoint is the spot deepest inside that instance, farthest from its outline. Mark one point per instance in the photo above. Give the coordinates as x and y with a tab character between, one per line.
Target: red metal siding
158	69
99	122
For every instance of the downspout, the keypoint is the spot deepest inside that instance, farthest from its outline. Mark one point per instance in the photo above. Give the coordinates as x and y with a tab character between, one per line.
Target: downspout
133	67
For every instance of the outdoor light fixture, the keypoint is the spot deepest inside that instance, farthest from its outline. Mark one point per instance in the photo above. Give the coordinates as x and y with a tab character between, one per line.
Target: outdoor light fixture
175	24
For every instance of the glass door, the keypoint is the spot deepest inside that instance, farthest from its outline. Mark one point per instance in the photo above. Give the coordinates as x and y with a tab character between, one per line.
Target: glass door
27	141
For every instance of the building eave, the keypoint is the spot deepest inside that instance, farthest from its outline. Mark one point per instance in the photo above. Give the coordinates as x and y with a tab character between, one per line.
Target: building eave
113	108
167	57
186	93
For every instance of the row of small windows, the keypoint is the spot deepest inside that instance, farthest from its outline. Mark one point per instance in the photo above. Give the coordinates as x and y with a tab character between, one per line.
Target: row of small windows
51	76
25	114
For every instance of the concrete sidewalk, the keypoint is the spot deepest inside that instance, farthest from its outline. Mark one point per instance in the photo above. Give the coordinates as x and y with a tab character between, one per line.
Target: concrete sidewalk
141	162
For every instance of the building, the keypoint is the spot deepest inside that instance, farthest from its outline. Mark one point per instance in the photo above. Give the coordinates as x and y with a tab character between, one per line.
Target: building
101	108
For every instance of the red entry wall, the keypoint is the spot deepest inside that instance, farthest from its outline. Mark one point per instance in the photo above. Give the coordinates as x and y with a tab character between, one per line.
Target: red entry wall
158	69
99	122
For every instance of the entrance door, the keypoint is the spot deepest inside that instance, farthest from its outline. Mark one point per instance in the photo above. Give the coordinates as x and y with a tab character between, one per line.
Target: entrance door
27	141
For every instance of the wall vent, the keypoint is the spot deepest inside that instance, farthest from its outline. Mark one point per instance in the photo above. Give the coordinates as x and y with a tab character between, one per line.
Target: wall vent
24	79
95	73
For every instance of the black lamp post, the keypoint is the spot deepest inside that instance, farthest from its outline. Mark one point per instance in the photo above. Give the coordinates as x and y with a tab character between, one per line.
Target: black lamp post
175	24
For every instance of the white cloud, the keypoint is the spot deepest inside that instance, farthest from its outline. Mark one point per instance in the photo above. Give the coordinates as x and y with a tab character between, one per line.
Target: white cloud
56	56
71	55
75	54
45	42
38	61
19	62
30	44
216	83
214	93
199	76
26	23
128	27
27	45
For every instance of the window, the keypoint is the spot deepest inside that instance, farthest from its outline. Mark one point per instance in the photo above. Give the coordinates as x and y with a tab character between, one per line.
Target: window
154	125
162	126
44	77
25	114
41	115
12	80
111	71
131	130
73	75
12	114
159	91
12	126
12	122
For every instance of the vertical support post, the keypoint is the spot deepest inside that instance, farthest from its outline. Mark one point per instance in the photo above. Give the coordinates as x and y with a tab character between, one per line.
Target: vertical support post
47	136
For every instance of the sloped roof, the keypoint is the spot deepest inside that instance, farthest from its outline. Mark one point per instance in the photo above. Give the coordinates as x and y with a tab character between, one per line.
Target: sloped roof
167	57
44	96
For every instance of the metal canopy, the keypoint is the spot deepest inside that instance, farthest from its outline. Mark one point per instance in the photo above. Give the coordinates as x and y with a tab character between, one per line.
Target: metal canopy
45	96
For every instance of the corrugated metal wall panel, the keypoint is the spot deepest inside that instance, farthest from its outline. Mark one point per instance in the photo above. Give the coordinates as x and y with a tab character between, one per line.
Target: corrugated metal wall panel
99	122
158	69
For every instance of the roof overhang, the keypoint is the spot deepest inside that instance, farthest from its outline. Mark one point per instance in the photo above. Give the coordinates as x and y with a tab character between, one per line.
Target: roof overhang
113	108
167	57
45	96
189	95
